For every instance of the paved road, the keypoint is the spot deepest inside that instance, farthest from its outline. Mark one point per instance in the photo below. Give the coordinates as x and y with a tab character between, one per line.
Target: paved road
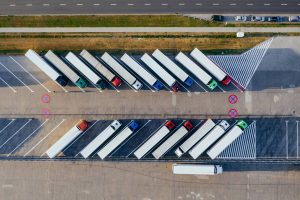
20	7
142	181
151	29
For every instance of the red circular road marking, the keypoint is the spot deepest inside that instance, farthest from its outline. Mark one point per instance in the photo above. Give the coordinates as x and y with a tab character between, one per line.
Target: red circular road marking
232	99
46	98
45	112
233	113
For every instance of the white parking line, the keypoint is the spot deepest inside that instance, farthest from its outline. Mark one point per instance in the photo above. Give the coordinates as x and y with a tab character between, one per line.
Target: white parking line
237	87
183	87
287	138
221	88
27	137
8	85
12	120
44	137
30	74
147	4
137	132
200	85
15	133
297	122
130	4
62	4
17	78
80	135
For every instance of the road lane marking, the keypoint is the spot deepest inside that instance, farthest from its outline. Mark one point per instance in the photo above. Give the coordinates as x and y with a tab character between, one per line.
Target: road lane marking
62	4
30	74
267	4
113	4
80	135
181	4
27	137
215	4
147	4
15	133
17	78
287	138
130	4
297	122
284	4
164	4
79	4
12	5
46	4
96	4
232	4
7	125
44	137
250	4
8	85
28	4
198	4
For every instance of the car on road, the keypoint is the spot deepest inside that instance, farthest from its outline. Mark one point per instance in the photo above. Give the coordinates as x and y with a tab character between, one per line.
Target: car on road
257	18
294	18
218	18
240	18
273	19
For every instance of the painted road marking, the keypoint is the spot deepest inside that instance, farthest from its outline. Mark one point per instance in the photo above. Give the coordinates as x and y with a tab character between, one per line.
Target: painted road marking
46	4
15	133
130	4
79	4
287	138
28	4
30	74
181	4
12	120
267	4
113	4
284	4
200	85
62	4
96	4
12	5
8	85
17	78
44	137
232	4
250	4
28	137
164	4
147	4
215	4
80	136
198	4
297	122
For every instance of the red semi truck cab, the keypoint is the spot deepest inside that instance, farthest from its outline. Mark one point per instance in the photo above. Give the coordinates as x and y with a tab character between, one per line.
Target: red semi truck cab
82	125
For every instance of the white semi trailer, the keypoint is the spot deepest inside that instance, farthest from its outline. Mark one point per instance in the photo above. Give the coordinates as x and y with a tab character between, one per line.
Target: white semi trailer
195	137
161	72
209	139
100	139
117	67
116	141
154	139
85	70
45	67
172	140
139	70
196	70
62	143
65	69
111	77
196	169
172	67
226	140
210	66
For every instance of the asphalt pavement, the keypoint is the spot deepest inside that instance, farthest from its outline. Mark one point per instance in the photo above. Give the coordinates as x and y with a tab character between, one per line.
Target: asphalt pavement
32	7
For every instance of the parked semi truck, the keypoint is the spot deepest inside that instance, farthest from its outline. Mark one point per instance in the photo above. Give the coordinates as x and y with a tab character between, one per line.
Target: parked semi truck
65	69
170	65
85	70
196	169
139	70
100	139
46	68
172	140
116	81
210	66
161	72
116	141
195	137
209	139
196	70
62	143
225	141
154	139
117	67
